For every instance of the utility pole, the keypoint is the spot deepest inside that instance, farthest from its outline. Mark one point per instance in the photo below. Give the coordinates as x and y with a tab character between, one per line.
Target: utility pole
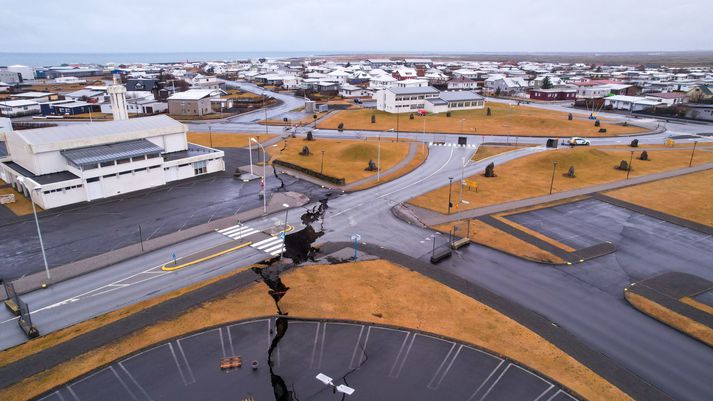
141	238
264	106
690	162
628	170
450	204
321	168
552	181
397	125
378	160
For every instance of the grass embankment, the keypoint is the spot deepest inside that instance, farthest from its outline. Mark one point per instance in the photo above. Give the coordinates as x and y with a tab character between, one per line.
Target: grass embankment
698	305
226	139
487	235
667	316
504	120
485	151
418	159
304	121
346	159
364	296
530	176
687	196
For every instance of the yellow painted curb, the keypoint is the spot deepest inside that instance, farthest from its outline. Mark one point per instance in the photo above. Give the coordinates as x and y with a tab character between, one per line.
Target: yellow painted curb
215	255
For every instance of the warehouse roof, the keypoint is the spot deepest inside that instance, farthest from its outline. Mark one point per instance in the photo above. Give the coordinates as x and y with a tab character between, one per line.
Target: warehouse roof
413	90
93	155
459	96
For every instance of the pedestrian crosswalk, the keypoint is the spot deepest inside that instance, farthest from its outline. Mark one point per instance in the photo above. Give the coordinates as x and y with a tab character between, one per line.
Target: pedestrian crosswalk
272	245
238	231
450	144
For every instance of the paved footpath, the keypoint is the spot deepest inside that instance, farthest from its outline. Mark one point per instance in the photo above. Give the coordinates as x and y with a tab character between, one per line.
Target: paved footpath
431	218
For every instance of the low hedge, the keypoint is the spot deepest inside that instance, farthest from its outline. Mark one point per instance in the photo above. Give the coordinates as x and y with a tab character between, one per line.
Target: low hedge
316	174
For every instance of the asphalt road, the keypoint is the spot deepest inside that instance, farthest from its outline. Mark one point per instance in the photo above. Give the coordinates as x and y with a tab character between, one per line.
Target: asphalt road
670	360
380	363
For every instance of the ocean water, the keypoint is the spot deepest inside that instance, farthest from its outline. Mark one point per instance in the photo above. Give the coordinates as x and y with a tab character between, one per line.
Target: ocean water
54	59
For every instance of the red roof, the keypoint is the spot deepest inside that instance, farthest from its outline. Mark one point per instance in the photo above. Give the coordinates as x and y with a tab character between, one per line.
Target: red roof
595	82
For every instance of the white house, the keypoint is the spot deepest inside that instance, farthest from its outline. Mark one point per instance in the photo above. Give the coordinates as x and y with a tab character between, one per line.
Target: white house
593	92
506	85
347	90
382	82
68	164
26	72
453	101
408	83
669	98
462	84
632	103
16	108
404	100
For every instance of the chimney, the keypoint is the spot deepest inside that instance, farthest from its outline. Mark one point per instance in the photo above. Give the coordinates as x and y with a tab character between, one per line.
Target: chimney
117	93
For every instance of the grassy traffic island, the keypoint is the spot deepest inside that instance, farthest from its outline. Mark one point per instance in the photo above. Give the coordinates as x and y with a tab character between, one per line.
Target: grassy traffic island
350	159
504	120
365	296
530	176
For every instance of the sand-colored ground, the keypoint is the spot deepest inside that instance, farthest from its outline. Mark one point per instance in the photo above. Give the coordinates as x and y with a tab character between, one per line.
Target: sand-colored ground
531	175
504	120
343	158
21	206
687	196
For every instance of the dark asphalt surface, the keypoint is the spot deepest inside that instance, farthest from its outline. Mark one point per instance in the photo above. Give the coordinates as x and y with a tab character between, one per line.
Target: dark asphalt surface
79	232
381	363
705	297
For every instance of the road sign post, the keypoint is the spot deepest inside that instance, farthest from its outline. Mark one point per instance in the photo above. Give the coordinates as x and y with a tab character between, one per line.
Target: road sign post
355	238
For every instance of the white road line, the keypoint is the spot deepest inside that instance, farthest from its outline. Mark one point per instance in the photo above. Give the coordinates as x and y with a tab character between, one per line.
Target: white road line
486	380
403	360
438	371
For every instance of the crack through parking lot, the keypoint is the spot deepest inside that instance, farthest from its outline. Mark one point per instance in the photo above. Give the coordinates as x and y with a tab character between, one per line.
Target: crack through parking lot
298	248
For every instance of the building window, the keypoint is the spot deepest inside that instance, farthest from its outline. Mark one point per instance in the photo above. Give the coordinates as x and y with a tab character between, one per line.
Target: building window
107	164
123	161
200	167
93	179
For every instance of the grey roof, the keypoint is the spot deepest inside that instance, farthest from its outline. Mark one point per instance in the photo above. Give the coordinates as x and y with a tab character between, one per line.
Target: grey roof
93	155
63	133
44	178
414	90
459	96
436	101
193	150
84	93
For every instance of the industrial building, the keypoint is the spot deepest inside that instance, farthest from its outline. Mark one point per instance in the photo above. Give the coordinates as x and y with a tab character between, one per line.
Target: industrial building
68	164
412	99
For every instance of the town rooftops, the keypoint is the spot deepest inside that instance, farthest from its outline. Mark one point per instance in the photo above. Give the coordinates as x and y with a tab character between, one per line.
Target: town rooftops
414	90
18	103
93	155
668	95
82	135
32	95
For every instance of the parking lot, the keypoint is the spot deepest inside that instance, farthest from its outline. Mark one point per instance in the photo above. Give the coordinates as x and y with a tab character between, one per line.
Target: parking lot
380	363
77	232
646	246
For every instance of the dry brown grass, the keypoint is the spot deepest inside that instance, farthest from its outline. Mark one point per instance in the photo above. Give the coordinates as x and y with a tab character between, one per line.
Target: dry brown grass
346	159
698	305
485	151
90	117
226	139
251	302
520	120
21	206
304	121
487	235
667	316
365	296
417	160
530	176
687	196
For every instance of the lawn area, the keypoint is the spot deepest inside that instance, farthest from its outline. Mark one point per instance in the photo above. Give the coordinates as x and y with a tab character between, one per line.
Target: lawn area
530	176
687	196
518	120
487	235
485	151
226	139
346	159
366	294
306	120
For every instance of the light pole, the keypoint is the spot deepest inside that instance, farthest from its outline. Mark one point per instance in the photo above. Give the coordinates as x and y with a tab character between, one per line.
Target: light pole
690	162
378	160
264	106
321	168
462	179
210	135
250	148
23	181
628	170
552	181
284	231
264	176
397	125
328	381
461	125
450	204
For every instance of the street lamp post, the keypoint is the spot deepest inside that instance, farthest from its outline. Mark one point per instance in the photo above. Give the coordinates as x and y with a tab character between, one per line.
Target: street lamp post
397	125
284	231
264	176
210	135
552	181
378	160
321	168
37	223
462	179
628	170
690	162
450	204
264	106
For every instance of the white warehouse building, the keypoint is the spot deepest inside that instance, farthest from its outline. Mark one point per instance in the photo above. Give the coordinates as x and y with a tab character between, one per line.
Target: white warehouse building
62	165
412	99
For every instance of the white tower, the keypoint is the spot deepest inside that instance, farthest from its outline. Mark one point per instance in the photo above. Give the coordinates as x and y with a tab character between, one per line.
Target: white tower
117	92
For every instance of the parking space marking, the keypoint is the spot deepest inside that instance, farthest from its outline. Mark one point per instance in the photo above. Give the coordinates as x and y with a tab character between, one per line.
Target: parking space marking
477	390
56	393
403	360
561	392
186	381
438	371
356	349
113	371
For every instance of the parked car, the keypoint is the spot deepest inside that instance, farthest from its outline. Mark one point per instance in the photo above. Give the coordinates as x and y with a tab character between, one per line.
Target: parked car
577	141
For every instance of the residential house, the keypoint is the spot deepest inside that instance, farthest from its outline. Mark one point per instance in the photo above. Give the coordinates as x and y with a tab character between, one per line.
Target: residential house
348	90
193	102
36	96
10	77
462	83
17	108
631	103
554	94
382	82
408	83
669	98
405	73
453	101
404	100
701	93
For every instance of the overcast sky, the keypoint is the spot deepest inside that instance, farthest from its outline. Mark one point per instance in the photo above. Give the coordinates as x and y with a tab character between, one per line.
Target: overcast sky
355	25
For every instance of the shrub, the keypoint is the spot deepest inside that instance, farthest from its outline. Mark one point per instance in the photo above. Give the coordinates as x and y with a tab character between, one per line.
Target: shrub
340	127
373	119
569	117
410	117
570	172
597	123
634	143
305	151
644	155
448	114
310	137
488	112
623	165
371	166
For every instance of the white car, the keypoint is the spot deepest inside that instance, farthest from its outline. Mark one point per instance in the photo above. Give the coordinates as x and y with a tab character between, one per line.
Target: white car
577	141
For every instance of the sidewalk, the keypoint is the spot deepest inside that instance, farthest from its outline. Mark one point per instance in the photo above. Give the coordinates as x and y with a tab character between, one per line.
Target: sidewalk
431	218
